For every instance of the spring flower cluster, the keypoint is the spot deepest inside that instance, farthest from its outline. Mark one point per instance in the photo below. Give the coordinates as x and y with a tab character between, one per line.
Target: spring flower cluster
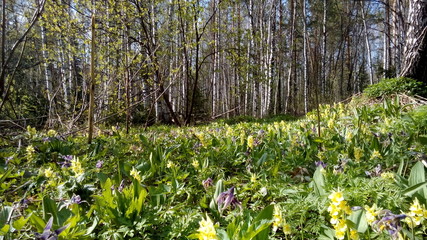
206	230
358	154
279	221
30	152
251	142
376	155
76	167
135	174
372	213
338	210
389	222
417	214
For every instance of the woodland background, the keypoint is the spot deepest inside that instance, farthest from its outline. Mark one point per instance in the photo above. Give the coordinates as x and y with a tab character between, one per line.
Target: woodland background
181	61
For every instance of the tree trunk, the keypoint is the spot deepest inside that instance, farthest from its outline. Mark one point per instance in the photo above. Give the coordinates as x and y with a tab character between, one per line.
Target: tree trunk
305	49
415	61
3	45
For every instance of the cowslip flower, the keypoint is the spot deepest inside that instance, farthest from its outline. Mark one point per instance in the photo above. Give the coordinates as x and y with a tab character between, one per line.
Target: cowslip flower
287	229
417	213
375	154
170	164
206	230
251	142
348	136
51	133
277	218
338	209
387	175
31	131
30	152
340	229
135	174
48	172
354	235
76	167
336	197
358	154
195	164
372	213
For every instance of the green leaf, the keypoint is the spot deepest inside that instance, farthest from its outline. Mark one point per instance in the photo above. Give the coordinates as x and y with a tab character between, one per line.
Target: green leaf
222	235
319	182
422	139
219	188
359	219
4	230
417	176
259	229
38	222
5	216
413	189
328	234
50	209
262	159
20	223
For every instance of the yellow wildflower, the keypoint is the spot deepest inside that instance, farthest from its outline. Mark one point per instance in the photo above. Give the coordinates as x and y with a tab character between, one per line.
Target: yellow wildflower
333	209
376	154
358	154
354	235
30	152
48	172
170	164
340	229
31	131
336	197
51	133
277	218
287	229
371	213
348	136
251	142
195	164
416	208
206	230
331	123
417	213
387	175
345	207
254	177
135	174
76	167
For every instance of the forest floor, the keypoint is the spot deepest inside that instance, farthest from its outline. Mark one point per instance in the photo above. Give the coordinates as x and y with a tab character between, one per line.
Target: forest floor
349	171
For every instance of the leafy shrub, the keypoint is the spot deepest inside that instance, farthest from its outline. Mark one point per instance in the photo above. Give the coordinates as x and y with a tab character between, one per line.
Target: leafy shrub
390	86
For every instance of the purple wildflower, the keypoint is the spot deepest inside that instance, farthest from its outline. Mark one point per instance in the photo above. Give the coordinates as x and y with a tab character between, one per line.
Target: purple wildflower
226	199
376	172
8	159
76	199
48	234
67	157
121	186
390	222
320	164
99	164
207	183
65	164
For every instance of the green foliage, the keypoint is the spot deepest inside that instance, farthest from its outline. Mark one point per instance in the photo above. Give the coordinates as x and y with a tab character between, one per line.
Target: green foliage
166	182
398	85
